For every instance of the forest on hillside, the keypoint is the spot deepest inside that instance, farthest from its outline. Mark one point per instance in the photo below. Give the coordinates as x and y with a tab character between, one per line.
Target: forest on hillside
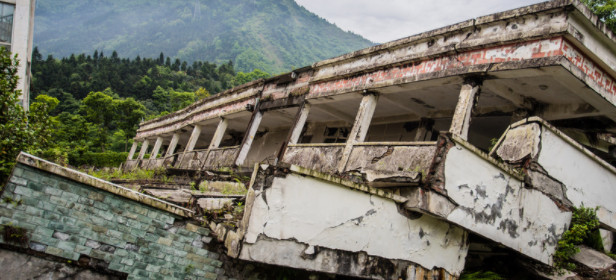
96	102
272	35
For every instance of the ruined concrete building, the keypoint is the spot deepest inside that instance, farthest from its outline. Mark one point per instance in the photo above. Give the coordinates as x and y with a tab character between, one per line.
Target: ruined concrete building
405	160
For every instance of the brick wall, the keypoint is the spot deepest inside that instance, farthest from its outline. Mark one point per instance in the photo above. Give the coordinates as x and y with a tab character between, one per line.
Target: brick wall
83	223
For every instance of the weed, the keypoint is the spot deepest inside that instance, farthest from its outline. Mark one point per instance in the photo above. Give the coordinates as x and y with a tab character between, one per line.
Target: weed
15	234
480	275
583	230
239	207
204	187
493	143
192	186
189	269
8	199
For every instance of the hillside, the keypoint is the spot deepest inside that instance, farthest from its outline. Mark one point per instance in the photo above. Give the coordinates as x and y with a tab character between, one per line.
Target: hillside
272	35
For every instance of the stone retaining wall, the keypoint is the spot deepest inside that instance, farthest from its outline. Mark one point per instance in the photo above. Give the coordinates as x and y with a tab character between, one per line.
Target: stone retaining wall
88	225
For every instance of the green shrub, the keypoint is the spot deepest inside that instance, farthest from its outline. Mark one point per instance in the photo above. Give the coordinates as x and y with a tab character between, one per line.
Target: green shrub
105	159
584	229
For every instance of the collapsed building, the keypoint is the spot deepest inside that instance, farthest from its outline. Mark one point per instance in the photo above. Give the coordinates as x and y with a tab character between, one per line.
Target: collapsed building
406	159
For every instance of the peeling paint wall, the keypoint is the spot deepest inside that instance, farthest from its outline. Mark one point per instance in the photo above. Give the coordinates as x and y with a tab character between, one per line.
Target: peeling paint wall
314	213
496	205
586	181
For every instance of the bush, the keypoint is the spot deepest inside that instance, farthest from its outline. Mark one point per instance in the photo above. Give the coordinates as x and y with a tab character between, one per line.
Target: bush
584	229
104	159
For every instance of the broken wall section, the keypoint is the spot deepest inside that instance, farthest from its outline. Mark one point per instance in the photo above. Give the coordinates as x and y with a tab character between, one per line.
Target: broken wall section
560	167
297	220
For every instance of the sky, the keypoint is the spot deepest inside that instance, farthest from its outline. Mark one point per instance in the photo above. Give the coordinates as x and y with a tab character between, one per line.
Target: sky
382	21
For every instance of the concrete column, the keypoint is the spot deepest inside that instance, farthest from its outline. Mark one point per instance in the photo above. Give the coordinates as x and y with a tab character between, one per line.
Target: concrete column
219	134
250	135
217	138
360	127
424	131
173	144
157	144
144	148
318	134
462	115
300	123
193	138
132	151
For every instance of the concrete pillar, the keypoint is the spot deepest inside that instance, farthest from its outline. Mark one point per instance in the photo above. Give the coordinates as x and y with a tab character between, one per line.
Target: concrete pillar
360	126
424	131
157	144
318	133
462	115
300	123
219	134
250	135
144	148
193	138
173	144
217	138
132	151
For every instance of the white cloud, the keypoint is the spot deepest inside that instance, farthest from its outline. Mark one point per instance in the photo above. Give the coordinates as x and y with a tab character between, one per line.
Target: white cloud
387	20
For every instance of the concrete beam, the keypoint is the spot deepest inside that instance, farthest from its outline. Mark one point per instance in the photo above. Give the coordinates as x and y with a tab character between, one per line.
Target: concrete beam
568	111
249	137
174	142
360	126
462	115
333	112
144	148
132	151
193	138
157	144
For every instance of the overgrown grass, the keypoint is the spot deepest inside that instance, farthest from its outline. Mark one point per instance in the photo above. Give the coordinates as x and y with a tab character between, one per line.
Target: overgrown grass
137	174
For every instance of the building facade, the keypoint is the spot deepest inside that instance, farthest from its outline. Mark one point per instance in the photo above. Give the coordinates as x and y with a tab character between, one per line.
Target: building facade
16	31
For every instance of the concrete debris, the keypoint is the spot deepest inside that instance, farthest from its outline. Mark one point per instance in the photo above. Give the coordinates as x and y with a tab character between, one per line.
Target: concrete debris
593	259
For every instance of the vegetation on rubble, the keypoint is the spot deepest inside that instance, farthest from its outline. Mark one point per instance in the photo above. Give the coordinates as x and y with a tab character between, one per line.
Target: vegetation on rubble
480	275
230	215
118	174
14	234
584	229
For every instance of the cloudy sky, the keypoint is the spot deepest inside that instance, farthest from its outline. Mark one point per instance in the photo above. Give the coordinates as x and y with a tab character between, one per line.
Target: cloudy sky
385	20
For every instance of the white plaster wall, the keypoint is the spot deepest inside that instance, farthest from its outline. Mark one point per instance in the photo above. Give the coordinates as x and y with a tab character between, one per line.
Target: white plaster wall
587	181
319	213
497	206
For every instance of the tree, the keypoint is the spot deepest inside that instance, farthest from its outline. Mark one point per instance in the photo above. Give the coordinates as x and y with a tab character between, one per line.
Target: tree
242	78
130	113
15	135
41	125
605	10
98	109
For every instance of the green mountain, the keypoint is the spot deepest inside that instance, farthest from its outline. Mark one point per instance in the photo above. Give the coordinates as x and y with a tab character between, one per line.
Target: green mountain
272	35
